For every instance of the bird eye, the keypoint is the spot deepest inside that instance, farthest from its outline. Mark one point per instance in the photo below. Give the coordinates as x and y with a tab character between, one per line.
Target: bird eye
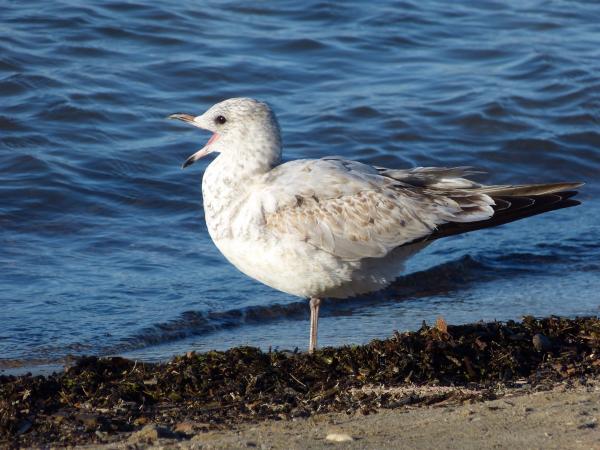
220	120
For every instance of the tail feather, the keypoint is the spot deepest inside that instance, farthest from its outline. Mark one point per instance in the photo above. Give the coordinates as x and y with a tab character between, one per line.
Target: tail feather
529	189
515	203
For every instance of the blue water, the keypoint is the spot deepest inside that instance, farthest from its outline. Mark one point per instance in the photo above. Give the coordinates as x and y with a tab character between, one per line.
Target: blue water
103	246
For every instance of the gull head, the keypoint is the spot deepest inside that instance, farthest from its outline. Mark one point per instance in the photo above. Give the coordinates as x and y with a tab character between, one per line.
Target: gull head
242	128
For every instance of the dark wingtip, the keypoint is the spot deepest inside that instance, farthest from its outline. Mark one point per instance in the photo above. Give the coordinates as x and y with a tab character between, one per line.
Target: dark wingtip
509	209
188	162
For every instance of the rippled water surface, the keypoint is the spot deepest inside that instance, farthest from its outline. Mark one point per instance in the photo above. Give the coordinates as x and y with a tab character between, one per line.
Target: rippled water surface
103	246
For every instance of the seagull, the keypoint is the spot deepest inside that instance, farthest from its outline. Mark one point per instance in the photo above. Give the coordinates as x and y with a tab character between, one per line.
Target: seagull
332	227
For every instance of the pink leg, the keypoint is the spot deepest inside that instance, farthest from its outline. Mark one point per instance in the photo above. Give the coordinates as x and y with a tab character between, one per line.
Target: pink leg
314	323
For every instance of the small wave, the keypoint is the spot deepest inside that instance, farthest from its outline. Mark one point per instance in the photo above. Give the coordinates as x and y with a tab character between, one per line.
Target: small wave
533	65
479	122
63	111
453	275
300	45
86	51
8	64
27	141
480	55
24	165
362	112
586	139
196	323
11	124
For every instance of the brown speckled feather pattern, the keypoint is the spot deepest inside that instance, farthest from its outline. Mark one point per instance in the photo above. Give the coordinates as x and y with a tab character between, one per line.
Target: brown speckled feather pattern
354	211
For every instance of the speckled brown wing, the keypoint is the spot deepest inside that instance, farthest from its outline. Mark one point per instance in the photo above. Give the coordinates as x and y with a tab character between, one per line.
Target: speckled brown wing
350	210
355	211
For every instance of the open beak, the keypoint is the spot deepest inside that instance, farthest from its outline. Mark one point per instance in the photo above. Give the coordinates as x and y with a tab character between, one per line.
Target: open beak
204	150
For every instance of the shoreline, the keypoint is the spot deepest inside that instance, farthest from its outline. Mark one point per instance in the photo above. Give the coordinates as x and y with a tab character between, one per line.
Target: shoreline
220	395
564	416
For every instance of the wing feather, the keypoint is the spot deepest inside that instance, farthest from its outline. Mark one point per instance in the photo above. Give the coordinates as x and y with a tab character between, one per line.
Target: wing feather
356	211
350	210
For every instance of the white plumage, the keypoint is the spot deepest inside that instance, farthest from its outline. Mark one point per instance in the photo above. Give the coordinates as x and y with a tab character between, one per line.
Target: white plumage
331	227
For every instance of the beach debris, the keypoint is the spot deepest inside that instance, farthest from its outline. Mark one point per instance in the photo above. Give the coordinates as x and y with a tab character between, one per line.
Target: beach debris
24	427
150	433
190	427
339	437
90	421
441	325
541	342
220	389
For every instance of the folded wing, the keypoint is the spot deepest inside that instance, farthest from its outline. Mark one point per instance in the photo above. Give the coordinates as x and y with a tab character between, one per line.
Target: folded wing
355	211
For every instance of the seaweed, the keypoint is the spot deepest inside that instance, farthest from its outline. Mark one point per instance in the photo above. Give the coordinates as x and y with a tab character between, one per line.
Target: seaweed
98	398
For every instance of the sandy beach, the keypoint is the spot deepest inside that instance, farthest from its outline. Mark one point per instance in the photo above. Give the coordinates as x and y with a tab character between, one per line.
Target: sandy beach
560	418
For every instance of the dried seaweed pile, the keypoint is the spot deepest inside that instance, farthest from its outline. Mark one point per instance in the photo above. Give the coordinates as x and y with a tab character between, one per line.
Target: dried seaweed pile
100	397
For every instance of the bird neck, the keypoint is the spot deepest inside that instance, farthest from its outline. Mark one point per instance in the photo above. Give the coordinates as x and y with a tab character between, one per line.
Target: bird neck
226	183
233	171
255	157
